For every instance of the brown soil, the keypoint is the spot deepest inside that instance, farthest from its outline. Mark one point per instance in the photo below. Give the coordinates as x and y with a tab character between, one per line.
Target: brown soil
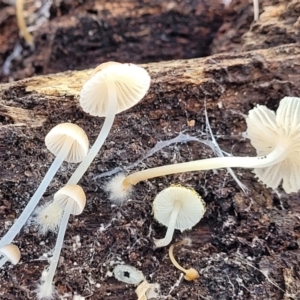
245	247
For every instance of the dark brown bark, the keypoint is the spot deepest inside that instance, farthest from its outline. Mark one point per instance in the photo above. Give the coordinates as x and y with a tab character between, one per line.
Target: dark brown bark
82	35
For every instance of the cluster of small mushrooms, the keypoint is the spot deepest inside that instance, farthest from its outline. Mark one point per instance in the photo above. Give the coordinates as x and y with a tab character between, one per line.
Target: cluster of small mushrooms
115	87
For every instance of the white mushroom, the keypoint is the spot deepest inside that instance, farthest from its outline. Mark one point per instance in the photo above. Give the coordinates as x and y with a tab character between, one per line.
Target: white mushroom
177	207
113	88
68	142
275	137
72	200
10	253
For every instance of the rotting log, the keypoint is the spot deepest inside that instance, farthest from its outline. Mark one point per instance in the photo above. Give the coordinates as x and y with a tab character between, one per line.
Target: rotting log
80	34
240	235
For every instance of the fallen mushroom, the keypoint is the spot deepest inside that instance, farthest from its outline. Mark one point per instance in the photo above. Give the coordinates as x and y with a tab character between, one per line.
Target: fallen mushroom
190	274
113	88
72	200
275	137
177	207
10	253
128	274
68	142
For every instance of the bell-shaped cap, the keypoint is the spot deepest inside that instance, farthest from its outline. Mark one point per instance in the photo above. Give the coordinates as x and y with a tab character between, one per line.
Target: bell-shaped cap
266	131
57	136
192	207
11	252
130	81
74	193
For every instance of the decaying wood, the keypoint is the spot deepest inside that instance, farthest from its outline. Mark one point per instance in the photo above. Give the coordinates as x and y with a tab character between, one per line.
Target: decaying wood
248	75
241	236
80	35
278	24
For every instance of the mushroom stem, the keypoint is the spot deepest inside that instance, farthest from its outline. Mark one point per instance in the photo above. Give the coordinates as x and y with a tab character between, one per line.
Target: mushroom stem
111	113
191	273
276	156
173	260
46	287
171	227
256	9
19	223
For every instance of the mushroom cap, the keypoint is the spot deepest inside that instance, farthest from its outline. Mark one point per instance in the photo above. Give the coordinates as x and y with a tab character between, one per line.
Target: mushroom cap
267	130
56	137
71	192
191	211
11	252
131	82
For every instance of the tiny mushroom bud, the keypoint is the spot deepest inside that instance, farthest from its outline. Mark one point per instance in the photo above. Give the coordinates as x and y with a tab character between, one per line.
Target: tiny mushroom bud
10	253
68	142
190	274
177	207
72	200
276	139
113	88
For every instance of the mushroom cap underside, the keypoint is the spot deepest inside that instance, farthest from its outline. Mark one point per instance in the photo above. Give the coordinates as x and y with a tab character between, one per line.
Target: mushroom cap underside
266	130
130	83
192	207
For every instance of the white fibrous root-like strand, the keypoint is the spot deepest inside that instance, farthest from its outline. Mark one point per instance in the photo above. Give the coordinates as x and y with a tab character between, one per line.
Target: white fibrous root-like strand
47	217
44	290
117	193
